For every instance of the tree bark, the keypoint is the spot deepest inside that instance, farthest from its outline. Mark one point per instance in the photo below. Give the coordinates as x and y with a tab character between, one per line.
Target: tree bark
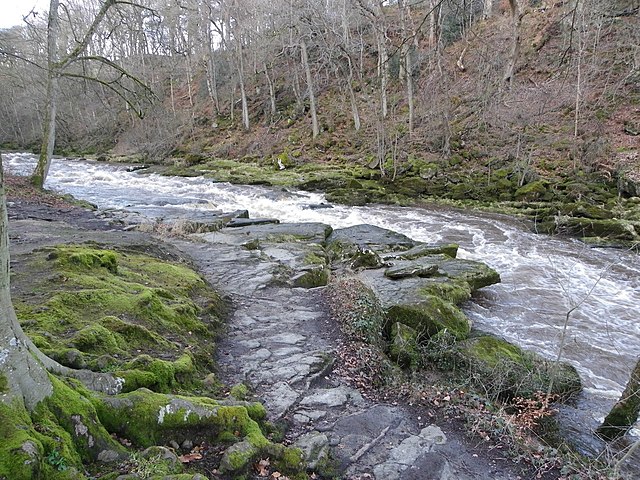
487	9
624	413
243	92
312	99
41	171
406	61
516	18
272	91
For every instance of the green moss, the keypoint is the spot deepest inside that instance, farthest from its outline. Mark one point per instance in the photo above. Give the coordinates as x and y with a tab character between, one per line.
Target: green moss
148	418
404	346
533	191
88	314
85	258
492	350
505	370
313	277
21	452
452	291
71	411
239	391
4	383
314	259
95	339
431	316
155	374
291	461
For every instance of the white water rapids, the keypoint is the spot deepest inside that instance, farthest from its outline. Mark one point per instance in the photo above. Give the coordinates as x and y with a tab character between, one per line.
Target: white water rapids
543	277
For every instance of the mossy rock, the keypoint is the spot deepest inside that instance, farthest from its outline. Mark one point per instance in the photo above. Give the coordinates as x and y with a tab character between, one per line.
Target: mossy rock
403	348
85	258
425	249
95	339
612	229
430	316
538	190
505	370
346	196
54	441
476	274
90	314
311	277
358	309
452	291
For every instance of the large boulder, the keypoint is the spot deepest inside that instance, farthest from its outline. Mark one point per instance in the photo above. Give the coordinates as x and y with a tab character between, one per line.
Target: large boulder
431	316
505	370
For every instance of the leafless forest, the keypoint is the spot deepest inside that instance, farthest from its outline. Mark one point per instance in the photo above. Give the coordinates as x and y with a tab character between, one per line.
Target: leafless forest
537	84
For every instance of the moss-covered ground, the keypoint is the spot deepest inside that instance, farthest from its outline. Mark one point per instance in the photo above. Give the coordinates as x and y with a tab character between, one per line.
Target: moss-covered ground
152	322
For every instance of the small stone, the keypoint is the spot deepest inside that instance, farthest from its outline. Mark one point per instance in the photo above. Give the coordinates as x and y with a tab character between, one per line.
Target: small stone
315	446
173	444
108	456
187	445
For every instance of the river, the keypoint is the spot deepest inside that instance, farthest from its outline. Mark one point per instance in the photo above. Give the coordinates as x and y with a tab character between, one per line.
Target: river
543	277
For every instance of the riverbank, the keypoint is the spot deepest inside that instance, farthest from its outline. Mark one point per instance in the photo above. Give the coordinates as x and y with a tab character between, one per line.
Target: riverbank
599	211
444	407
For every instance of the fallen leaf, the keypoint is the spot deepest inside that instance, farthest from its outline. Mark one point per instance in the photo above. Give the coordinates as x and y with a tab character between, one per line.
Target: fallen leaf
262	467
190	457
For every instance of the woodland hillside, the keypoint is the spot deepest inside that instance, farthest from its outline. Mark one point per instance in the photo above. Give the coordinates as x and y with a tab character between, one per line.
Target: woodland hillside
469	90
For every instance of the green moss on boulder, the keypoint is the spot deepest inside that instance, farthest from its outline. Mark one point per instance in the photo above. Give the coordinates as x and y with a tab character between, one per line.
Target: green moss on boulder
430	316
95	339
90	314
505	370
403	348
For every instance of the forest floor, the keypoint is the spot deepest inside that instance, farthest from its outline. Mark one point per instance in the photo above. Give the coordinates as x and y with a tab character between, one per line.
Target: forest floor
284	343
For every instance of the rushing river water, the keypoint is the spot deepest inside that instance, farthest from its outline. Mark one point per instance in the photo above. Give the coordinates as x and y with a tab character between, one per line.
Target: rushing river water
543	277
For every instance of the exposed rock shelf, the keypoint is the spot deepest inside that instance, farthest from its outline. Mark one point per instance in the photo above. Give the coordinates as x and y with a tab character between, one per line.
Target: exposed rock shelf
281	342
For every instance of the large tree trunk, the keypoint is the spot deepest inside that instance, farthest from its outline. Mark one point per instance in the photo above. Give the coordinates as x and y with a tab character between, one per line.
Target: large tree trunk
624	413
26	380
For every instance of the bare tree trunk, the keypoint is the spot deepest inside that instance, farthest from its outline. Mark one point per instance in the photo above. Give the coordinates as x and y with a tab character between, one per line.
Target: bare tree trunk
516	18
383	74
624	413
406	61
39	175
434	22
352	97
312	99
243	92
272	91
487	9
